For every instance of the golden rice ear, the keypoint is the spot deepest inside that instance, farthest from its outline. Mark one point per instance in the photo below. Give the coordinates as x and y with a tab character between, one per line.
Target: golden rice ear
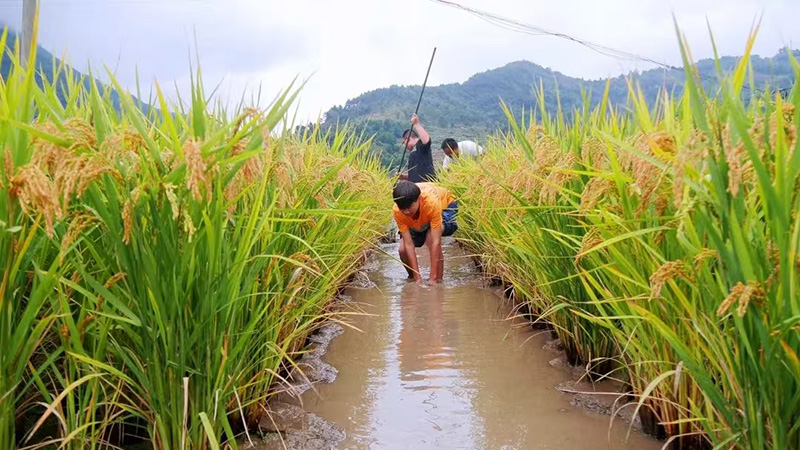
8	166
666	272
595	190
561	174
195	169
36	192
81	133
127	221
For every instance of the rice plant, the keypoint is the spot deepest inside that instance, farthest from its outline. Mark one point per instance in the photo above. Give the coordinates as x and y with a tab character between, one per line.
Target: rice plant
680	224
162	266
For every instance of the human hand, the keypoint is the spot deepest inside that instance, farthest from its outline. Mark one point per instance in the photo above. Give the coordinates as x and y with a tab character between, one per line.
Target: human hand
414	119
414	279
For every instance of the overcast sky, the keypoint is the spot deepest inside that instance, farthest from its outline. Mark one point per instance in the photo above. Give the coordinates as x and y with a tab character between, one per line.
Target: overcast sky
347	47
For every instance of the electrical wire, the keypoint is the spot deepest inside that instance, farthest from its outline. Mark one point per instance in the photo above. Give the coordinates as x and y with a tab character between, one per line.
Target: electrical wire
524	28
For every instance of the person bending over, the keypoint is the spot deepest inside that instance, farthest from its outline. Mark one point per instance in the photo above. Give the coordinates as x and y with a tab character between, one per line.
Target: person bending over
453	150
424	212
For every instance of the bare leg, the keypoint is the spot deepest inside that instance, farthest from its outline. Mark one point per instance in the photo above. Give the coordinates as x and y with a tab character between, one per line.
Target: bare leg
406	262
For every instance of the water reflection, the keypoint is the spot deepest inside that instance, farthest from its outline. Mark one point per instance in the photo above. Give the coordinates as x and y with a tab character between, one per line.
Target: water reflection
438	367
431	376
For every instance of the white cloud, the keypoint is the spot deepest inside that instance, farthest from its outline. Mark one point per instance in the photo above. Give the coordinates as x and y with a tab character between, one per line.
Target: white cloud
351	46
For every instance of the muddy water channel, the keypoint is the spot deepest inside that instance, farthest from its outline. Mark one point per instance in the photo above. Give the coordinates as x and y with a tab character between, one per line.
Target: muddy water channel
443	367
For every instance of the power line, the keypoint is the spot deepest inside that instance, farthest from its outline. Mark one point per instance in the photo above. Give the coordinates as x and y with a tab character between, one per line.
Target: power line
515	25
521	27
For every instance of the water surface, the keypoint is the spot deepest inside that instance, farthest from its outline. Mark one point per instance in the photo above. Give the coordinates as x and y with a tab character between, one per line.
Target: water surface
441	367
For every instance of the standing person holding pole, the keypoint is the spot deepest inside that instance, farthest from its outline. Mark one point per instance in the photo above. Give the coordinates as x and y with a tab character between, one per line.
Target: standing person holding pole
417	142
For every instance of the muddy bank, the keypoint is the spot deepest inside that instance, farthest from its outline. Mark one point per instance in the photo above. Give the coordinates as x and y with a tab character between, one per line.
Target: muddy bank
288	424
441	367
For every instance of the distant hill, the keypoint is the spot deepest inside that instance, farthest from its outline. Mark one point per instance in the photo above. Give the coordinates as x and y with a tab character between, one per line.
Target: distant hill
46	62
471	110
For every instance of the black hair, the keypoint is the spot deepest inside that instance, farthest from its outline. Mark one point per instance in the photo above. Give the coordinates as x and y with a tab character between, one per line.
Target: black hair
449	143
405	193
413	133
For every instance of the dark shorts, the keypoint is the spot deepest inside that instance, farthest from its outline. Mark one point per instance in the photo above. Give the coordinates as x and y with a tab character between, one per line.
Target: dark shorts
448	221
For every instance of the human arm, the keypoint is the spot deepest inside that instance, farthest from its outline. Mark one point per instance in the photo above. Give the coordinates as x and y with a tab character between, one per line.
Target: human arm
410	254
424	137
437	259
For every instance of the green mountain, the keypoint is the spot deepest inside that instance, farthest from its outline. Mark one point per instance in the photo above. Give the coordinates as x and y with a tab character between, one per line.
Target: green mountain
46	63
471	110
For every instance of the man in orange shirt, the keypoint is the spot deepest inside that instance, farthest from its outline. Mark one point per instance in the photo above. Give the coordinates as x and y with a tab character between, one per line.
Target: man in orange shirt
424	212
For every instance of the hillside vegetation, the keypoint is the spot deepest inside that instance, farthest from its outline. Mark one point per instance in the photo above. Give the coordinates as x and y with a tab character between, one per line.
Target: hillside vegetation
51	70
471	110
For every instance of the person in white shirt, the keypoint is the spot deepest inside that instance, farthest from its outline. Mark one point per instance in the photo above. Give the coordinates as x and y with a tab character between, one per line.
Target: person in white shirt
453	150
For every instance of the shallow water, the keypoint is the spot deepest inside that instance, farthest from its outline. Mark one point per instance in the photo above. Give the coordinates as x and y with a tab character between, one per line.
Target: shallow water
441	367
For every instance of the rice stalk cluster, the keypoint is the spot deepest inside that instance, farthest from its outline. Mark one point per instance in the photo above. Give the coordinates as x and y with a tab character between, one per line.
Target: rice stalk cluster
661	243
161	267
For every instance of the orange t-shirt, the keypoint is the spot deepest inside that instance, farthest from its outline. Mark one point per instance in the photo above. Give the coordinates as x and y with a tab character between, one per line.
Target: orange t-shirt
433	200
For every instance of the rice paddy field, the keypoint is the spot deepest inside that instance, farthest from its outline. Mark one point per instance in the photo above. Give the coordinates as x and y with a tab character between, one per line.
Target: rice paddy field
162	267
161	270
661	243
